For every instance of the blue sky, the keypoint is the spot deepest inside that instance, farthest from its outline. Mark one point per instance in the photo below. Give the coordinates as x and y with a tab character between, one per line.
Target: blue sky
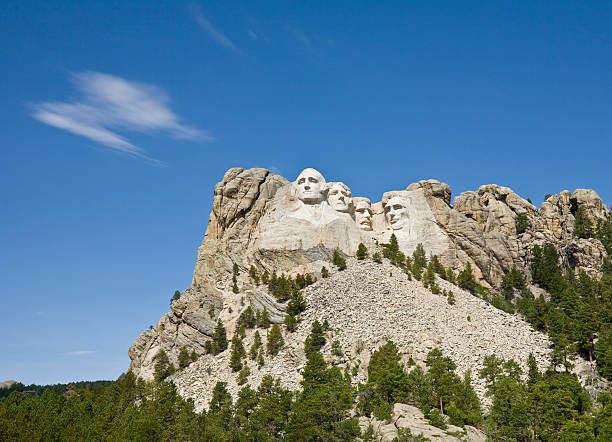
119	117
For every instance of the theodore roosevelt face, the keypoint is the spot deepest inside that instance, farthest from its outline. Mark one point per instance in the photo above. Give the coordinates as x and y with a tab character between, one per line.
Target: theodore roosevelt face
339	197
310	186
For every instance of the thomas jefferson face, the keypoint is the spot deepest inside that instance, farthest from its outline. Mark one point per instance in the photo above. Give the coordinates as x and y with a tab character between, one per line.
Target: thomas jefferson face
339	197
310	186
363	213
396	213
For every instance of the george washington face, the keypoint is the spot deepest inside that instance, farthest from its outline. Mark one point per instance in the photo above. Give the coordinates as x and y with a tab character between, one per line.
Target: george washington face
310	186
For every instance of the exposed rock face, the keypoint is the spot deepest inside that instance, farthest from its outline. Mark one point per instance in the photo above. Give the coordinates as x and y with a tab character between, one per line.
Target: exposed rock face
261	219
409	417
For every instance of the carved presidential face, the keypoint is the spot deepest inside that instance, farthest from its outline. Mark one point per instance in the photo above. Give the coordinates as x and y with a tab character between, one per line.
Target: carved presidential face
339	197
363	213
396	213
310	186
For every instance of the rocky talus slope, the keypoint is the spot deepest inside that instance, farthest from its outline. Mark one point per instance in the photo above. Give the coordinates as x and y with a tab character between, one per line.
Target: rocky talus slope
365	305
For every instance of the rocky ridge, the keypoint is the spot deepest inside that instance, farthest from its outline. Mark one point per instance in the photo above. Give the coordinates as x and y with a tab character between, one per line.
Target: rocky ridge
258	219
262	220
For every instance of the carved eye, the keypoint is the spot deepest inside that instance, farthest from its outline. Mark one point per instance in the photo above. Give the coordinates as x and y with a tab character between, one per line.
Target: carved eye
301	181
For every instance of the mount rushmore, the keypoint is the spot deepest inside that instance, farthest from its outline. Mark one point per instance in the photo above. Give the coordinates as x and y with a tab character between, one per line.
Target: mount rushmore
260	219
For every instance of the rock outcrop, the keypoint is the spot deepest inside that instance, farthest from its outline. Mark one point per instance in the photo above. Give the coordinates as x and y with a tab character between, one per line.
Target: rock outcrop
261	219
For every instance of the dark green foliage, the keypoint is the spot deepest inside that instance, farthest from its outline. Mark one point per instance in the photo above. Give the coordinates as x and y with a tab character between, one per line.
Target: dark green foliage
237	354
466	279
247	318
545	406
448	392
450	275
545	269
511	281
297	303
451	298
429	277
235	278
243	376
263	319
163	366
603	353
290	322
37	390
284	287
321	410
253	275
548	195
521	222
338	260
604	234
362	252
438	267
387	382
583	227
175	297
324	272
275	340
377	258
436	418
253	351
419	257
502	303
315	340
392	251
184	358
219	341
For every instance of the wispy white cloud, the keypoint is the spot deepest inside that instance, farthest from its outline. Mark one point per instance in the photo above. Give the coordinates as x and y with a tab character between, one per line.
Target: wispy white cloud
253	34
212	32
108	104
81	352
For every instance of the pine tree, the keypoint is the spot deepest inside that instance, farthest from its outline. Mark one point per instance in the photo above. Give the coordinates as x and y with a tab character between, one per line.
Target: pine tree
362	252
290	322
243	376
315	340
297	303
466	280
275	340
163	367
419	257
376	258
338	260
263	319
324	272
219	338
237	353
521	223
255	346
583	227
184	358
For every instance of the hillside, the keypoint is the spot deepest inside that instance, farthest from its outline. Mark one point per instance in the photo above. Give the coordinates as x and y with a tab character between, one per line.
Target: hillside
366	304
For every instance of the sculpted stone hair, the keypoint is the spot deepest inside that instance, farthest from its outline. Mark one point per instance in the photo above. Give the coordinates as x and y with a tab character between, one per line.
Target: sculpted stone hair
361	199
338	183
315	172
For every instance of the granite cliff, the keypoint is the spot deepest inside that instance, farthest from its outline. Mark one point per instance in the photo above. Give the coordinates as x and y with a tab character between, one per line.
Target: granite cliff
264	221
